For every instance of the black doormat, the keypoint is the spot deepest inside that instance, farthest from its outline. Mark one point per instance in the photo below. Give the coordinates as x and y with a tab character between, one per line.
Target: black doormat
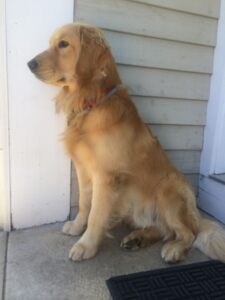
199	281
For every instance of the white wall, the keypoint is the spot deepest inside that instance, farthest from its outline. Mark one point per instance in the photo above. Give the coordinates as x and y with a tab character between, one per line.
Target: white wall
4	134
40	172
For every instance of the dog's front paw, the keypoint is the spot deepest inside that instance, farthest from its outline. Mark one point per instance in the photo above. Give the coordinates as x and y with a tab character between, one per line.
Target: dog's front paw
73	228
80	251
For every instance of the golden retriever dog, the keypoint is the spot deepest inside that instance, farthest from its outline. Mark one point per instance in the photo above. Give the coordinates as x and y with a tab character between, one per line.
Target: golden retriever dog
123	172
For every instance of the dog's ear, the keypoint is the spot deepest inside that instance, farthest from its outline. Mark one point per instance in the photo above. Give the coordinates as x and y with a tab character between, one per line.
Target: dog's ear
92	52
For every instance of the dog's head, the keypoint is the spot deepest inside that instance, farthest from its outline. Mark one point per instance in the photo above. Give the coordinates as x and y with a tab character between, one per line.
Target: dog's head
76	52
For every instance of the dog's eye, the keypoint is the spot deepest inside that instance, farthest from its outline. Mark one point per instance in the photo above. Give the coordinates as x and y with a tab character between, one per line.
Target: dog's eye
63	44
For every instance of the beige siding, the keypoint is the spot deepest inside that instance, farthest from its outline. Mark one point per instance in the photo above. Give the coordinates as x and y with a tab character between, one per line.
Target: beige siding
165	83
186	161
208	8
171	111
164	51
174	137
157	53
148	20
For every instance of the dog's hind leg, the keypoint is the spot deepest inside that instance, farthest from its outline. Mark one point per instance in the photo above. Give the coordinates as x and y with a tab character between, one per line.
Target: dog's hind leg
176	250
181	223
141	238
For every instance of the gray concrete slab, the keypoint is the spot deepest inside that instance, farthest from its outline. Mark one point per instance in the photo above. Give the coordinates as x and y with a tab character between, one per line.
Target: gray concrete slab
38	267
3	241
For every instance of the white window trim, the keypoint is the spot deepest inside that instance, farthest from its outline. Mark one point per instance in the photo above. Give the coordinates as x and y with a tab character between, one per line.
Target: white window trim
211	193
5	203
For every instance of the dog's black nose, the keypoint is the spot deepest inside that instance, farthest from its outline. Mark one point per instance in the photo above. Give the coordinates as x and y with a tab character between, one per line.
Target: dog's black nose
33	64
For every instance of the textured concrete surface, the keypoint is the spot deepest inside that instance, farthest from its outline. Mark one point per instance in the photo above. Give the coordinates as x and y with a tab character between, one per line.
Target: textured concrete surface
38	267
3	241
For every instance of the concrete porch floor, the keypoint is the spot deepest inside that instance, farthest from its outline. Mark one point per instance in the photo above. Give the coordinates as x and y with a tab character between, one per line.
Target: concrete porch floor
34	265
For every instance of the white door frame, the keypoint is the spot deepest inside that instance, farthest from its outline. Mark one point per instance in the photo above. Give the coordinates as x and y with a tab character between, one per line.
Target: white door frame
215	111
211	193
5	205
35	177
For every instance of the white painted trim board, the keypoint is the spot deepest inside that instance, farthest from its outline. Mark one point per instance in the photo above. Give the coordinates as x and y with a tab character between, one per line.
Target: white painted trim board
212	193
40	170
214	130
5	222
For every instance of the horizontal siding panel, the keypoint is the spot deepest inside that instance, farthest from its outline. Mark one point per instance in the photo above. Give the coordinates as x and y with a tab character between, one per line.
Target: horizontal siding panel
185	161
194	180
174	137
150	52
164	83
171	111
126	16
208	8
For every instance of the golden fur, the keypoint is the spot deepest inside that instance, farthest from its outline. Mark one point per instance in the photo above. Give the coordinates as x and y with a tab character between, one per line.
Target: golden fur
123	173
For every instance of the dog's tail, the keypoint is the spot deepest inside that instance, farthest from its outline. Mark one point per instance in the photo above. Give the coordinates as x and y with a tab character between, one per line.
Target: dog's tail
211	240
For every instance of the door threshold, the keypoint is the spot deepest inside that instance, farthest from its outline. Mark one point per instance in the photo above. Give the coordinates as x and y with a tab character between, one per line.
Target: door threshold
220	177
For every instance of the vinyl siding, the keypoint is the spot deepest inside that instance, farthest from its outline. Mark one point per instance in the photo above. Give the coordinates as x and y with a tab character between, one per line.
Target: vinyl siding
164	51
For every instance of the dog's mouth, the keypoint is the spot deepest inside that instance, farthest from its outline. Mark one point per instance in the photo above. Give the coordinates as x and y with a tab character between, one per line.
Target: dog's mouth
49	78
63	79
